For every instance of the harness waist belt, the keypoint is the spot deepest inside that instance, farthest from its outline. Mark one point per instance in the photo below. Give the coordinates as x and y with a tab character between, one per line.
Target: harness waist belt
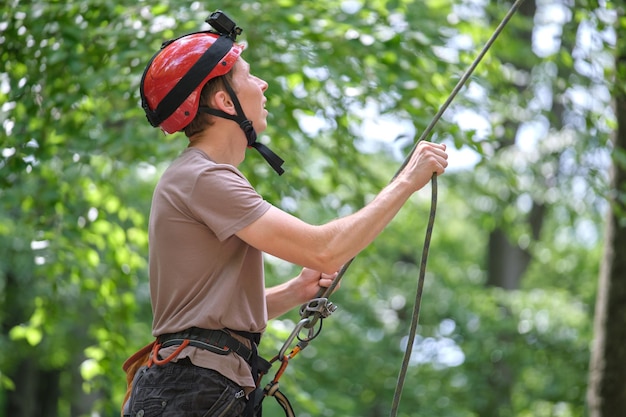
216	341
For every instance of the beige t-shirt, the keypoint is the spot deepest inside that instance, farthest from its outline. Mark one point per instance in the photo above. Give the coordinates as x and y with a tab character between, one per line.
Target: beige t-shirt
201	273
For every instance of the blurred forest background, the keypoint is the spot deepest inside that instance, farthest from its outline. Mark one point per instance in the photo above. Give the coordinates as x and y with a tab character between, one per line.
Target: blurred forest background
528	246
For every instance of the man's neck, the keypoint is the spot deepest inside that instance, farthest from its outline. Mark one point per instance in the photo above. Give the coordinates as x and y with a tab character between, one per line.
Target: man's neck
221	144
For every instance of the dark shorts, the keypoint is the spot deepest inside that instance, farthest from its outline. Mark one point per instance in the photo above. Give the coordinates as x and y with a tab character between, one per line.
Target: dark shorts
184	390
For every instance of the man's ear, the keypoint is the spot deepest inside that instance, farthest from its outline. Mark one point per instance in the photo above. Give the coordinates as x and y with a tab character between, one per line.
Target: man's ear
223	102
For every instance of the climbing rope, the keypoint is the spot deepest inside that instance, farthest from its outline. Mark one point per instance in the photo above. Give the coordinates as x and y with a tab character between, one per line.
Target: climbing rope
320	307
433	207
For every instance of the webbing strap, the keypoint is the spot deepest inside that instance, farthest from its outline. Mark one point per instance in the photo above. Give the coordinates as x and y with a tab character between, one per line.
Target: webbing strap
216	341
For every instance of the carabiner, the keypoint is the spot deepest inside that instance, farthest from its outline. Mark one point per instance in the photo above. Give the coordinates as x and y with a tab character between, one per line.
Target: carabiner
301	324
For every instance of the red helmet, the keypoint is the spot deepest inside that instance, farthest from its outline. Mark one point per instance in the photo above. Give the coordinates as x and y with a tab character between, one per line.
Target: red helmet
171	83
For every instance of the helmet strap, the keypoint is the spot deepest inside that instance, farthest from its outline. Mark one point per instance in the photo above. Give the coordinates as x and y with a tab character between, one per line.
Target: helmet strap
246	125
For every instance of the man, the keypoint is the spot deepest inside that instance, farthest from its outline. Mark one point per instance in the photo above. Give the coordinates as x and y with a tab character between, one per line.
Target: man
209	228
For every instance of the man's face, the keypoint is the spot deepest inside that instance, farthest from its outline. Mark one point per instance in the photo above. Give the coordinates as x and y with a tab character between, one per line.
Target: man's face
250	92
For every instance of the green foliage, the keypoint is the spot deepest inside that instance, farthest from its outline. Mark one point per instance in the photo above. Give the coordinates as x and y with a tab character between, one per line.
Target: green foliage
78	164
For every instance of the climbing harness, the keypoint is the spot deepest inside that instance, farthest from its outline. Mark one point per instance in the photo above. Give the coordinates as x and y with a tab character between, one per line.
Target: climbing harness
220	342
319	308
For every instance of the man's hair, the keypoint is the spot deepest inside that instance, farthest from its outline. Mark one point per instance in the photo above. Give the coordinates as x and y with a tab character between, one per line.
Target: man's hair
204	120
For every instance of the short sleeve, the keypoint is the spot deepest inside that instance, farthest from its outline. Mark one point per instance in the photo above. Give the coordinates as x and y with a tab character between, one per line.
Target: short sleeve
224	200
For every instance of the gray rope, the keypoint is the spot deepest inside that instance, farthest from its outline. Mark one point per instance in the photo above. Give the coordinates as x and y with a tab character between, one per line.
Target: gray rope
433	208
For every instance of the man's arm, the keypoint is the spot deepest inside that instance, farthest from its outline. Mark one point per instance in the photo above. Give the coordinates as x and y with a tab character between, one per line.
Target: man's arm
327	247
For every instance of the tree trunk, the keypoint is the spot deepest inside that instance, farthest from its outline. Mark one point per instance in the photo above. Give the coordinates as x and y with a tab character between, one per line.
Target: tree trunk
606	394
36	392
506	263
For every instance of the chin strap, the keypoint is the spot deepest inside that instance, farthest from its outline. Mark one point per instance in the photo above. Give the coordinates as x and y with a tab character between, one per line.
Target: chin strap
246	125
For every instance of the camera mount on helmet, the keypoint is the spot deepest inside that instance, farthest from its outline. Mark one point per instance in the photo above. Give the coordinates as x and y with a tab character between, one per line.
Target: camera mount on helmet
224	25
